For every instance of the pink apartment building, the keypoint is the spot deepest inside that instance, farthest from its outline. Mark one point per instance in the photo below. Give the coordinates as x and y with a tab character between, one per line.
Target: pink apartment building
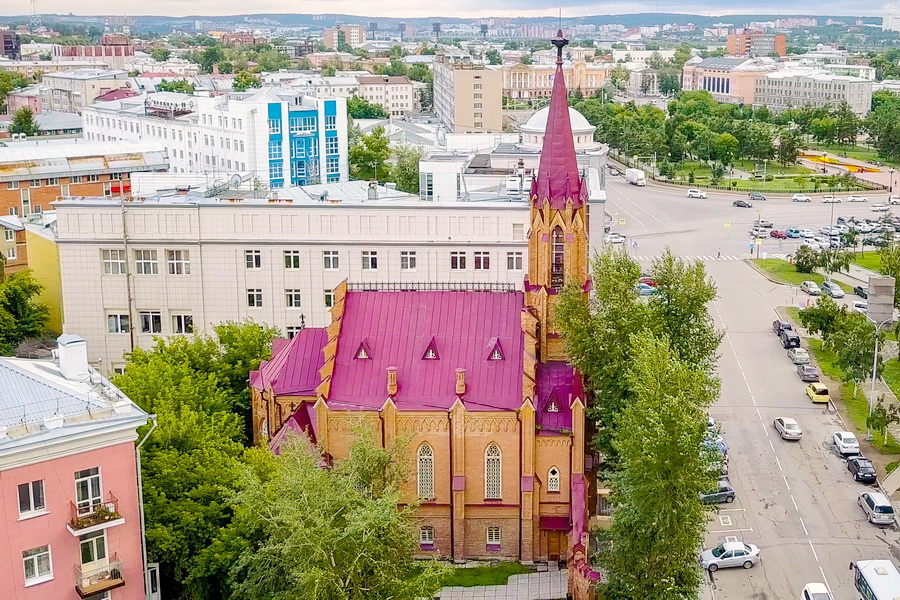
71	522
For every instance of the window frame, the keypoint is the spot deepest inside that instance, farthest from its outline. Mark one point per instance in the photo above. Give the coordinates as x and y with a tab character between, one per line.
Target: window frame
144	265
291	260
426	535
482	260
254	298
493	472
553	481
33	508
493	535
150	321
293	298
408	260
92	499
458	261
178	262
37	552
122	321
253	259
114	266
183	323
514	261
425	472
369	260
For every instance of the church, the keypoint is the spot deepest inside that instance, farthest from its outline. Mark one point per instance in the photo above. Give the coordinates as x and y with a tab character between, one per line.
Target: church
478	378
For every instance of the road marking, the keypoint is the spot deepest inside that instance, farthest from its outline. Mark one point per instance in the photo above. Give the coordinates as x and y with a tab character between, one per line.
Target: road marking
725	520
732	509
778	462
795	504
773	448
811	547
804	529
645	210
786	482
828	587
765	428
759	414
731	538
731	530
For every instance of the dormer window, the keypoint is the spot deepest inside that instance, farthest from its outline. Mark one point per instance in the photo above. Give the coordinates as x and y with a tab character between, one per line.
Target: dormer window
496	354
553	407
431	352
494	351
363	351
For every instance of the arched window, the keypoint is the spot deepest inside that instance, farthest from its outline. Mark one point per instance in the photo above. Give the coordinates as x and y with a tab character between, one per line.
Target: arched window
492	488
557	273
425	472
264	429
553	480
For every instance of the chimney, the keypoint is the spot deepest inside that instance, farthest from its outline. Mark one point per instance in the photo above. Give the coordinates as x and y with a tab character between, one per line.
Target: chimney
392	381
460	382
72	353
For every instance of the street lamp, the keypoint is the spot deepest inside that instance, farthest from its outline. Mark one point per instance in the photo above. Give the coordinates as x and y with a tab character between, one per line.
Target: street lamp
891	170
878	327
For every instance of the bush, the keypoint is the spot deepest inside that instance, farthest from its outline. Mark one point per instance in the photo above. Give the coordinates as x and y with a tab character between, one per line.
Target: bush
770	178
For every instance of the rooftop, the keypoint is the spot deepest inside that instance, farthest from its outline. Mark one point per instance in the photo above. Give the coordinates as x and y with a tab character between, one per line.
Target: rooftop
88	74
43	158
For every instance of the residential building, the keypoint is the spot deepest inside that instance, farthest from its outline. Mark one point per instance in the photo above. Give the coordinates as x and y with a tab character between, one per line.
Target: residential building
113	51
10	45
68	479
536	81
395	95
43	263
476	376
346	35
37	68
278	137
172	66
468	97
786	89
727	78
756	43
28	97
243	38
12	244
71	91
52	124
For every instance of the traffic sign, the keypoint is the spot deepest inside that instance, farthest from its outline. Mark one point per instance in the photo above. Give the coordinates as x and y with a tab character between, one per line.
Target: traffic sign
621	221
727	223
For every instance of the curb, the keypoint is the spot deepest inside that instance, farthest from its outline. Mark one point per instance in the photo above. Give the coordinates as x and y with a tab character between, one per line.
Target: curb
764	273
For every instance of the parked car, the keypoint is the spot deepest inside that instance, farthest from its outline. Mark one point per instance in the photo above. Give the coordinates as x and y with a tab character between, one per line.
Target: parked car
648	280
800	198
778	326
787	428
798	356
758	232
793	232
807	233
815	591
893	199
725	493
756	196
764	223
811	288
614	238
818	393
845	442
877	507
742	204
830	288
860	306
862	469
831	200
880	208
856	198
778	234
861	291
790	339
808	373
644	289
729	554
693	193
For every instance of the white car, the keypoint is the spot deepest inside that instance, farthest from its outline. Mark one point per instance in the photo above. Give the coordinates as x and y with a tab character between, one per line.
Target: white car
831	200
764	223
841	228
811	244
822	241
788	428
856	198
692	193
798	356
894	200
827	230
880	208
729	554
614	238
861	306
811	288
863	227
807	233
800	198
846	443
815	591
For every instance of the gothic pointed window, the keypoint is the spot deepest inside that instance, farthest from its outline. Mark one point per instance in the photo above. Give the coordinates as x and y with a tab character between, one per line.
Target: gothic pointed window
558	262
492	473
553	480
425	472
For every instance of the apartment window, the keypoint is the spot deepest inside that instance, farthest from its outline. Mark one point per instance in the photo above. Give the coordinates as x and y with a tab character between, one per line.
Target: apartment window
457	261
425	472
298	150
93	178
518	231
179	262
9	235
426	535
145	262
330	122
274	150
329	298
477	86
113	262
407	260
477	105
254	298
38	566
313	147
308	124
276	170
292	330
331	145
11	253
151	321
274	126
75	179
117	324
31	497
331	164
482	261
253	259
14	211
87	490
332	259
426	186
292	298
35	183
493	536
477	96
25	195
93	547
492	472
514	261
182	324
291	259
553	480
369	260
12	185
478	125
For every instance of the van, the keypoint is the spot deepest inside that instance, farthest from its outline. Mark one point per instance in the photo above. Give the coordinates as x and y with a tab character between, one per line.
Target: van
793	232
877	507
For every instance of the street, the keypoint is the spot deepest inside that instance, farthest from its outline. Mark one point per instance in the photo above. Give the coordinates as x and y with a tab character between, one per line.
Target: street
795	500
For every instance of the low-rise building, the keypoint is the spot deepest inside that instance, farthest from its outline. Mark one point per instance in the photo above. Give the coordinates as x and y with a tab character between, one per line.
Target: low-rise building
795	88
536	80
394	94
727	78
36	68
28	97
71	91
113	50
468	97
174	66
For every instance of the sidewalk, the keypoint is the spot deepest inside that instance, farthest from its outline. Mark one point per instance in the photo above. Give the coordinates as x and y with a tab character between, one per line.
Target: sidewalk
547	585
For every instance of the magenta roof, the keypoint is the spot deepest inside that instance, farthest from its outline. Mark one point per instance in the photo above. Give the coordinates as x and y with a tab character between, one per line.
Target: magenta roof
558	178
295	364
398	328
558	384
118	94
303	421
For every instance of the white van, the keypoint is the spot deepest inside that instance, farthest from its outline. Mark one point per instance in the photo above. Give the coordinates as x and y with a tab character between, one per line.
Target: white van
877	507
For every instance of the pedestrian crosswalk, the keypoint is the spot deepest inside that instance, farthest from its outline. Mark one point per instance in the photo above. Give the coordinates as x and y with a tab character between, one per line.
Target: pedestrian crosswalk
717	257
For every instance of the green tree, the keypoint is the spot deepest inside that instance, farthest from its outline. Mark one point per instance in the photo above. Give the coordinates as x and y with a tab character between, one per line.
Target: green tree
619	76
406	168
853	343
834	261
806	259
726	147
883	416
23	121
244	80
823	317
338	534
789	145
890	265
21	315
176	85
493	57
368	158
682	55
360	108
160	54
525	59
9	81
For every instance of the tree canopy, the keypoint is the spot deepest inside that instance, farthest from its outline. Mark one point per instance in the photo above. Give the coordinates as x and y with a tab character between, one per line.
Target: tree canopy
23	121
21	315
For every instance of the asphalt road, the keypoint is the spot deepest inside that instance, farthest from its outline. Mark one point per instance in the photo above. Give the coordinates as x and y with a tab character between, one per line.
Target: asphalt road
795	500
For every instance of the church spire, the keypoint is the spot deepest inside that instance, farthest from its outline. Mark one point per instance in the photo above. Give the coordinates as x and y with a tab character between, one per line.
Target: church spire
558	180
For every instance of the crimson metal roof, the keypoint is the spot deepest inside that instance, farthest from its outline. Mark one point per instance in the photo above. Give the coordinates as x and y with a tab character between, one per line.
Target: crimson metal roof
295	364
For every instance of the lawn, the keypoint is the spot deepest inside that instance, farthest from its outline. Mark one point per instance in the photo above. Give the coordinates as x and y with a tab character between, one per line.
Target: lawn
872	261
772	167
785	272
490	575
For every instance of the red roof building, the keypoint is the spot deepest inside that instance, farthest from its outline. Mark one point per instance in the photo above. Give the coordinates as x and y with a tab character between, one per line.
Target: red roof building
478	379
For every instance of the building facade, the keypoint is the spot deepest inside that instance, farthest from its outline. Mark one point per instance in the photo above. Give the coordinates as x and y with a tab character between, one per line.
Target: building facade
72	91
114	51
786	89
10	45
536	81
68	479
276	137
728	79
468	97
756	43
351	35
395	95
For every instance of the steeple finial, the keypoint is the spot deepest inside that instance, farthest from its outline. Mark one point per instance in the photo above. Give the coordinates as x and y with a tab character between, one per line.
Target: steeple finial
560	42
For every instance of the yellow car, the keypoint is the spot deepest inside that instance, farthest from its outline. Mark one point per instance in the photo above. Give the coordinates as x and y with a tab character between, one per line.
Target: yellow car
817	392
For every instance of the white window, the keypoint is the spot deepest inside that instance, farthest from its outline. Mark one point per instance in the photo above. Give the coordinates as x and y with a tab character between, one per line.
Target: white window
274	150
553	480
113	262
9	235
292	330
93	547
274	125
292	298
407	260
425	472
457	261
35	183
369	260
31	497
492	489
493	536
426	535
332	259
332	165
253	259
151	321
87	490
11	253
482	261
93	178
25	194
518	231
291	259
329	298
330	122
254	298
182	324
514	261
38	566
117	324
179	262
12	185
145	262
276	170
331	145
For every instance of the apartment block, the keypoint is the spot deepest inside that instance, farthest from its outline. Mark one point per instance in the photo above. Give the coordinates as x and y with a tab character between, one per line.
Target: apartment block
10	45
113	50
351	35
72	91
786	89
395	94
468	97
757	43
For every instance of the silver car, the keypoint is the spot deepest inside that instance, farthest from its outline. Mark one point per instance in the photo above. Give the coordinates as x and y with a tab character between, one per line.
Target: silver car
788	428
798	356
877	507
830	288
729	554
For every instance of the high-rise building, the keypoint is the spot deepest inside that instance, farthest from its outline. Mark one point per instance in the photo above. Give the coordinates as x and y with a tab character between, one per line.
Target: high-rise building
10	45
468	97
757	43
350	35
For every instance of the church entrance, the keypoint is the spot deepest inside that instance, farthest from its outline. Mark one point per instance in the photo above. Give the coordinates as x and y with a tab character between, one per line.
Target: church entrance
554	544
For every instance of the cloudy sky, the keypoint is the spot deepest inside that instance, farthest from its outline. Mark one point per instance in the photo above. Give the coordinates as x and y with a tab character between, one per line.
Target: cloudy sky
461	8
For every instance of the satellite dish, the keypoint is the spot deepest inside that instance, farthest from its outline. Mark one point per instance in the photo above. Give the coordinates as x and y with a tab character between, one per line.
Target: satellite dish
236	181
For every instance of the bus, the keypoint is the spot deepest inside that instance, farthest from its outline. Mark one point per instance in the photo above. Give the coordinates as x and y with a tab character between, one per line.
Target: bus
876	579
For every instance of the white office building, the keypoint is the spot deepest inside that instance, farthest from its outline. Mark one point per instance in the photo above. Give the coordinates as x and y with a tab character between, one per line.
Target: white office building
796	88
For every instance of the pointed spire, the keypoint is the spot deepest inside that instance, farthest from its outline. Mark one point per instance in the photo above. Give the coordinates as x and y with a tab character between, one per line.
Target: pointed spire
558	180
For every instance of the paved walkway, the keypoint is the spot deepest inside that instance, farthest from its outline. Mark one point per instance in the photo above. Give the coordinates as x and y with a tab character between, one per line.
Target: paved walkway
549	585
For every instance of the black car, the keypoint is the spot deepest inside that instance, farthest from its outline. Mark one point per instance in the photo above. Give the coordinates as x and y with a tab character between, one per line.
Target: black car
778	326
757	196
790	339
808	373
842	221
861	291
742	204
725	493
862	469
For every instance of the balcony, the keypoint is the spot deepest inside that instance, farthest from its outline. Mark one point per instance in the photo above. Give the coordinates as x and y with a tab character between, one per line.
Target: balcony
99	579
94	517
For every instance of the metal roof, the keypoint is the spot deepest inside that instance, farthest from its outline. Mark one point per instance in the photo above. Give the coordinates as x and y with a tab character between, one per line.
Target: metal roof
53	158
